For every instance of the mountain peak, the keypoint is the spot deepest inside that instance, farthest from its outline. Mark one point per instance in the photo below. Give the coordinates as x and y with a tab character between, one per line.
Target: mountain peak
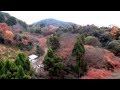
51	21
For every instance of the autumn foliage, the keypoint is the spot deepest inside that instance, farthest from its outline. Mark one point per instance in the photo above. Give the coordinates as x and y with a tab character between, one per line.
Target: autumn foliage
6	32
4	27
114	31
8	35
67	42
96	74
43	41
101	58
101	62
22	41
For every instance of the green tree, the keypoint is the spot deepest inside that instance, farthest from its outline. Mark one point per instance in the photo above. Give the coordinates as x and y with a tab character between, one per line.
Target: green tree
50	53
1	64
1	67
53	63
7	72
3	76
105	38
20	73
39	50
17	61
48	61
22	60
7	66
53	42
82	36
11	21
78	51
8	75
2	18
19	69
27	76
13	68
27	65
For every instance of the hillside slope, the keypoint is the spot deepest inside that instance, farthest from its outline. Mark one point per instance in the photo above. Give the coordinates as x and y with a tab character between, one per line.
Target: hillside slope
101	62
20	25
8	52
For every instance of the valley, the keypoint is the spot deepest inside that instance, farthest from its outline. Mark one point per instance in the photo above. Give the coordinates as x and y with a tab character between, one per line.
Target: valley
64	50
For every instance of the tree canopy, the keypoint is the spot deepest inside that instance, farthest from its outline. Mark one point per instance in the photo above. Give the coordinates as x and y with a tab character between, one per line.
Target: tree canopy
11	21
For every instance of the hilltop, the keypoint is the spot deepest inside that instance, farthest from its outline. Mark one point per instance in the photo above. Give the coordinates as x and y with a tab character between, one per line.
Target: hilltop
51	21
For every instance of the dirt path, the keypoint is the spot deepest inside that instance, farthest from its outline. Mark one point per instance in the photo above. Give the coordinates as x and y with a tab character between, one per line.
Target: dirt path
38	64
42	57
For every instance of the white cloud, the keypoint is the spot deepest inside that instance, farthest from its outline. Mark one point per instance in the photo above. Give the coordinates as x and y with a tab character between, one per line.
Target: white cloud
99	18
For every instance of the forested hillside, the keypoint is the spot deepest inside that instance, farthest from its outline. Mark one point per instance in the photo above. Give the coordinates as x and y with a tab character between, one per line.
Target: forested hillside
64	50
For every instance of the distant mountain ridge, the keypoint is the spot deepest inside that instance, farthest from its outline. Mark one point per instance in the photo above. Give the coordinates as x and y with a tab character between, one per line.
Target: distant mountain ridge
51	21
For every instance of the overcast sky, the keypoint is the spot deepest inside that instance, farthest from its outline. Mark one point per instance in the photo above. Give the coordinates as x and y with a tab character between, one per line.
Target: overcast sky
98	18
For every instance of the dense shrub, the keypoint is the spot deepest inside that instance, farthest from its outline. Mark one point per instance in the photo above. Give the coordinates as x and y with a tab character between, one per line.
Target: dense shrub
98	33
100	58
22	46
91	40
23	42
114	46
88	30
105	38
34	30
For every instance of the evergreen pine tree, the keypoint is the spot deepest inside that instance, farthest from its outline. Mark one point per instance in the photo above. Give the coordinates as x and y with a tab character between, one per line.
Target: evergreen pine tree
1	67
1	64
27	64
53	42
53	63
7	66
78	52
20	73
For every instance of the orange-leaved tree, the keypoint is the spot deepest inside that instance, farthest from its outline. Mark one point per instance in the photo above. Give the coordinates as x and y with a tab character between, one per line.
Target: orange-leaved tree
8	35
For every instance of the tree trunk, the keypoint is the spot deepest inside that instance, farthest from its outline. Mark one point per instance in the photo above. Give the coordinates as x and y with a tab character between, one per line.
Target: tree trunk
78	66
